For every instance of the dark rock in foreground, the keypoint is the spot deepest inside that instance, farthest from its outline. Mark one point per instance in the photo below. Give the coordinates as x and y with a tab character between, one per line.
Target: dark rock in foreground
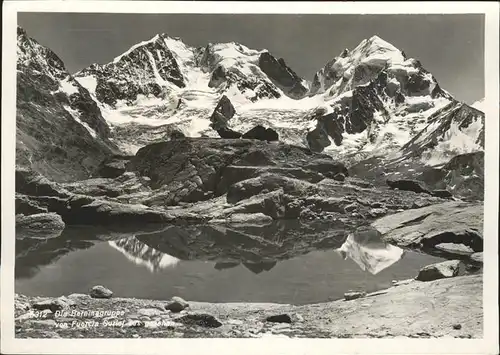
280	318
53	305
437	271
354	295
228	133
100	292
339	177
443	193
176	305
202	320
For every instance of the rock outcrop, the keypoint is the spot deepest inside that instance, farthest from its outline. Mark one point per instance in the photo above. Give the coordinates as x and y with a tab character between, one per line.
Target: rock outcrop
424	228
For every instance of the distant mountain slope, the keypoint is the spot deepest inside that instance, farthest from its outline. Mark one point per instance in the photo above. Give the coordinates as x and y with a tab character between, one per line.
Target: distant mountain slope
60	130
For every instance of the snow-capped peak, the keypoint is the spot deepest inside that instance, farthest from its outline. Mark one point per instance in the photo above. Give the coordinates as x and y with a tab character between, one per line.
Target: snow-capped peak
376	52
228	55
134	47
359	66
174	44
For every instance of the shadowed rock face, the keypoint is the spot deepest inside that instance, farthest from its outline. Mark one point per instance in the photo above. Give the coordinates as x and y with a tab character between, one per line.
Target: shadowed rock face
223	112
284	77
353	116
60	130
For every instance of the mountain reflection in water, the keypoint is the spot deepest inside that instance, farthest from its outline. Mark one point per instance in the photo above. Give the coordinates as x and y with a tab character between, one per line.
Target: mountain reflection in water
140	254
287	262
367	249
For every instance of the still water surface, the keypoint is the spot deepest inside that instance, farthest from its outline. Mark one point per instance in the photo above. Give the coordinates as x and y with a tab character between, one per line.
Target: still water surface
212	265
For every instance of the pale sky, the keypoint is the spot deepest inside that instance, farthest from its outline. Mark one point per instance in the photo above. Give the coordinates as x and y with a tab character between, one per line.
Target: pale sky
450	46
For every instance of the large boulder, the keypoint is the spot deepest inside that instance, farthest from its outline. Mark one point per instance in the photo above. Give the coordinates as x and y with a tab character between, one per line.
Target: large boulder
442	270
40	226
234	173
261	133
202	320
100	292
228	133
271	204
176	134
88	211
82	202
424	228
176	305
223	112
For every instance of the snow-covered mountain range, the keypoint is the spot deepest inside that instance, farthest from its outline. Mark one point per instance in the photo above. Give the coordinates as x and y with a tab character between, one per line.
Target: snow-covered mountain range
371	101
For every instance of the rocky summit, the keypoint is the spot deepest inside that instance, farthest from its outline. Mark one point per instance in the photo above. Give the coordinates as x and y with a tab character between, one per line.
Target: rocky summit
212	153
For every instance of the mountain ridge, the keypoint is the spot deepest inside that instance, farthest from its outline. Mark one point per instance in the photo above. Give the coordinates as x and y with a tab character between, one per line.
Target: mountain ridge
368	101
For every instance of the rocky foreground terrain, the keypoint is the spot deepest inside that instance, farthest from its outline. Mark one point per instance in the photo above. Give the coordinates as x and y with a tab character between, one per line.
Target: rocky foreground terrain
451	306
168	141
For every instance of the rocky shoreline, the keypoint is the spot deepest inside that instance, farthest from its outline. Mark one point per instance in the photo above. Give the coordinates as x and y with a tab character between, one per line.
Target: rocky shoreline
450	306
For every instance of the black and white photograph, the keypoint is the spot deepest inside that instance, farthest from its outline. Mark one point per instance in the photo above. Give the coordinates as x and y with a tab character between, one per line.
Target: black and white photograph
251	175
